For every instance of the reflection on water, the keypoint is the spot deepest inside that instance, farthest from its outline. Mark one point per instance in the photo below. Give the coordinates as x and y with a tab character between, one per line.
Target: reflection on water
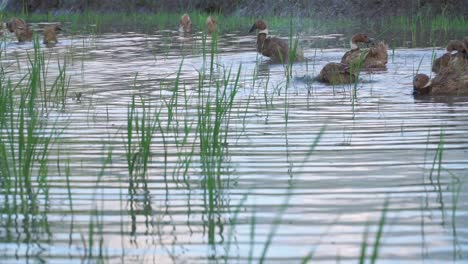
379	143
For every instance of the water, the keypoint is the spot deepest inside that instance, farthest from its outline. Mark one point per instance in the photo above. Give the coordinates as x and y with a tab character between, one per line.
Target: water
380	145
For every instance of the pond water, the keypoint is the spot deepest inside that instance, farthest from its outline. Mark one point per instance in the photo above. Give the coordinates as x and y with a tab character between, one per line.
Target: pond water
279	197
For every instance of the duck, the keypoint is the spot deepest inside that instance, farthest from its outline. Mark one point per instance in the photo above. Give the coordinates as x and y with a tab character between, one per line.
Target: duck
23	33
336	73
456	56
50	34
185	25
451	73
211	25
450	80
274	48
14	23
375	57
447	82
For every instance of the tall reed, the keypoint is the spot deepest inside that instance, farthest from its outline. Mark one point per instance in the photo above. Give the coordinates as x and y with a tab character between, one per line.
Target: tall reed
215	101
141	127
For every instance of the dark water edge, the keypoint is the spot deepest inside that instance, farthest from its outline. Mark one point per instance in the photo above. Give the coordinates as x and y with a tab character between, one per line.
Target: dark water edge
343	8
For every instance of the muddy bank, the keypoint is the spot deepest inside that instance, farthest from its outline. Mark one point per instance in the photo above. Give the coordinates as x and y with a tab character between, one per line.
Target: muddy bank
344	8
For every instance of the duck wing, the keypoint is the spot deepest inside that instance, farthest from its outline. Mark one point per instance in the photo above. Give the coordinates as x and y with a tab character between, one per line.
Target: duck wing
276	48
350	56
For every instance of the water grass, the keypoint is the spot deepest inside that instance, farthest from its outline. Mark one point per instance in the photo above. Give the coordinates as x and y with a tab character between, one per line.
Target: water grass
378	237
25	145
212	131
141	128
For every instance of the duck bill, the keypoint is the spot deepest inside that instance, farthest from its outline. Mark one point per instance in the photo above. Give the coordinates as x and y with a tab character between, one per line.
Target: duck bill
253	28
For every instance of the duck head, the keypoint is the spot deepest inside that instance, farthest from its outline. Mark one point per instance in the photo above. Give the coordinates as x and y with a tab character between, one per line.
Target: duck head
261	26
14	23
421	84
359	38
456	45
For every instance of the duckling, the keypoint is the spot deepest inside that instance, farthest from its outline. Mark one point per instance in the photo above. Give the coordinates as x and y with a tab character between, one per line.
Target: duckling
14	23
274	48
449	81
336	73
211	25
185	25
23	33
375	57
50	34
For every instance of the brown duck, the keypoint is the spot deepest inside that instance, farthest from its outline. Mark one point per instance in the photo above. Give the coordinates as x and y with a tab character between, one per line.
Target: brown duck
50	34
456	52
23	33
447	82
14	23
211	25
274	48
451	77
375	57
185	24
336	73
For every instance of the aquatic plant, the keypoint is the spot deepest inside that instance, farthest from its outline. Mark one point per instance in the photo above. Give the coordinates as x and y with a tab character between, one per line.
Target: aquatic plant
378	237
24	147
214	110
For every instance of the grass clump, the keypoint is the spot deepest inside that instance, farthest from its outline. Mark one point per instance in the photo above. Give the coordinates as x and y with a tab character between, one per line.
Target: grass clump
25	142
421	29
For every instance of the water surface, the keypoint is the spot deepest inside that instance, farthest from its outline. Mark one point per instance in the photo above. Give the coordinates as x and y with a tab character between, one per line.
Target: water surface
379	144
